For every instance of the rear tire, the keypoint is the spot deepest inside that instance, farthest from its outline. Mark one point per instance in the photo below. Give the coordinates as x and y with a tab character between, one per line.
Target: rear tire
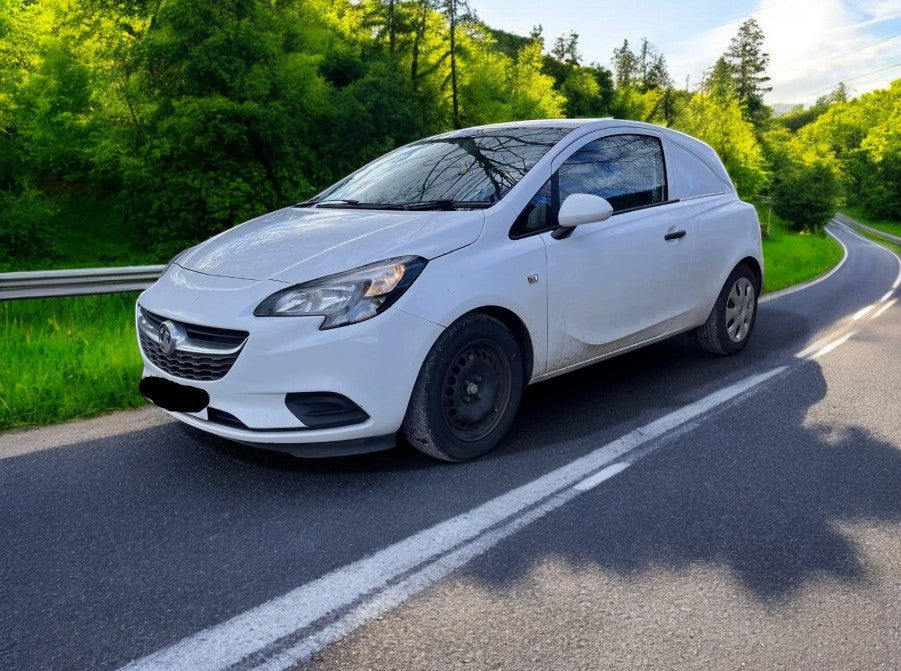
468	390
731	321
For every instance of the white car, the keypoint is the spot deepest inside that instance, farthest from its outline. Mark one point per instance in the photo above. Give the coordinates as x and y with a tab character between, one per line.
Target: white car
423	292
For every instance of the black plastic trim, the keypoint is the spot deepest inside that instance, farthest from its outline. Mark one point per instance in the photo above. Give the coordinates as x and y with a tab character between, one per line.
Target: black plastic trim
324	410
337	448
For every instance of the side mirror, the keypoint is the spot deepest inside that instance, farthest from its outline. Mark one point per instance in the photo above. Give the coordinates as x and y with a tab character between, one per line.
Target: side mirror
583	208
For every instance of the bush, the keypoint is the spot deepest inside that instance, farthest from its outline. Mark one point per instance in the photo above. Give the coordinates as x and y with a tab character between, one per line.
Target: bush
26	226
805	196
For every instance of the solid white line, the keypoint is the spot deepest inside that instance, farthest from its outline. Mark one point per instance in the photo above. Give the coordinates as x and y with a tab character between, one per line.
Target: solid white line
862	312
415	583
593	481
888	294
897	282
261	629
766	298
831	346
884	308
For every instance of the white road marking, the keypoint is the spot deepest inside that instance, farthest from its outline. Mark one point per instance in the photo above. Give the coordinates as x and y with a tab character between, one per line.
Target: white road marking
884	308
888	294
831	346
897	282
862	312
273	632
593	481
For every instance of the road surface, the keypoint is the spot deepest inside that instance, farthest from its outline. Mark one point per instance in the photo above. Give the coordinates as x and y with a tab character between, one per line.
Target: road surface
666	509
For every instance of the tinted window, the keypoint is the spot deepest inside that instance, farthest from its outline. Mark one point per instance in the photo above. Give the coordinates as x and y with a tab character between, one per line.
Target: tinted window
627	170
479	167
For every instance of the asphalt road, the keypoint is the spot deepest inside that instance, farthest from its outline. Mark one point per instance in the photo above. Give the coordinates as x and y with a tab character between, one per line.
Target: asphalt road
759	529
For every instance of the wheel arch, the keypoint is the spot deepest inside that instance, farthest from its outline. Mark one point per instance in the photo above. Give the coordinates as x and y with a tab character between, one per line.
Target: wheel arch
754	265
518	328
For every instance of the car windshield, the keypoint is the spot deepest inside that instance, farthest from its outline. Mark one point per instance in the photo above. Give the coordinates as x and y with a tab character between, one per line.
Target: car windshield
463	170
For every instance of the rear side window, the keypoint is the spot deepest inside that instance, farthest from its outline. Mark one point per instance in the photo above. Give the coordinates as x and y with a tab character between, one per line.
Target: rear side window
627	170
695	178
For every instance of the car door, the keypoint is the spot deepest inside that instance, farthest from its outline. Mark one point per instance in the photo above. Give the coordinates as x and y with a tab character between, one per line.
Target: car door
617	283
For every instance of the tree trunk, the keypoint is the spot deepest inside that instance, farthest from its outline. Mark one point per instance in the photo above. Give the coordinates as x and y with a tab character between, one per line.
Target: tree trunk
452	12
417	39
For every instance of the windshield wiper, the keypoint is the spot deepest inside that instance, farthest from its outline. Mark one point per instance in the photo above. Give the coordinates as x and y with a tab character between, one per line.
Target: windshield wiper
447	204
348	203
439	204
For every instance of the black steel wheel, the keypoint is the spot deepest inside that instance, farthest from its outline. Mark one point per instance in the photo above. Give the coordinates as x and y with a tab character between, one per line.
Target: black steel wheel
468	390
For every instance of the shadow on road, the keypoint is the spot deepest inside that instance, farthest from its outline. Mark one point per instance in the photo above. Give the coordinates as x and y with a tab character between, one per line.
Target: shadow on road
757	490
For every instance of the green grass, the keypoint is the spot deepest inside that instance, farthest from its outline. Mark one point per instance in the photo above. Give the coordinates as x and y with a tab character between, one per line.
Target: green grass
791	258
891	246
885	225
67	357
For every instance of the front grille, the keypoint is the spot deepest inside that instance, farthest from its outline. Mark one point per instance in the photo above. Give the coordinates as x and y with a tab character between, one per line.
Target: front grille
207	354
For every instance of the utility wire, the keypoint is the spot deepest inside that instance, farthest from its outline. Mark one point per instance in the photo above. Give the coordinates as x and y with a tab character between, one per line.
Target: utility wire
849	79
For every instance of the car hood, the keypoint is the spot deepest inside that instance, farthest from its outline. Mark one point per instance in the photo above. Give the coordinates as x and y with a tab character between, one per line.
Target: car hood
300	244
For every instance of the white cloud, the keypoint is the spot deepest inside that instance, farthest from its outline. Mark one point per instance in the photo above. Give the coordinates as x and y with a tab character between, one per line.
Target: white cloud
813	44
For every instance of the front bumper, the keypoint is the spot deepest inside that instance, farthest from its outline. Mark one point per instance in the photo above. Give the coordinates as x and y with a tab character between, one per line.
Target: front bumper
374	364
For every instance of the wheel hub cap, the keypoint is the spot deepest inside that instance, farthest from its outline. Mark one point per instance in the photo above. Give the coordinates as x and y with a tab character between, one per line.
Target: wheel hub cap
740	307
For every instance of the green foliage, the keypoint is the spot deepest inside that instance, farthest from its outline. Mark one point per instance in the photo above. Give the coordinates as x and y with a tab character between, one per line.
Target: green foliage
748	62
184	117
718	121
67	357
25	230
861	139
791	257
805	195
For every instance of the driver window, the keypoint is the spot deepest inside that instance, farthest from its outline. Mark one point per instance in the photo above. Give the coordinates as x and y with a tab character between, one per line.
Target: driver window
627	170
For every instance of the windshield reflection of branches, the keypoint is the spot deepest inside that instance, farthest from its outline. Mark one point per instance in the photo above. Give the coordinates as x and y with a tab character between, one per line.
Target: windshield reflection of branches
478	167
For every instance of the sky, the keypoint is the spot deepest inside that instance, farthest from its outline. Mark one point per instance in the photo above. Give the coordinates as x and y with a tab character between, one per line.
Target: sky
813	44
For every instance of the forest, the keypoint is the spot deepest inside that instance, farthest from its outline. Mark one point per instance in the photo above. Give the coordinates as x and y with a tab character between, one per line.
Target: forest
131	129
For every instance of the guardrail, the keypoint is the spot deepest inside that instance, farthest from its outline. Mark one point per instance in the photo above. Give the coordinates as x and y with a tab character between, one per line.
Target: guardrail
84	281
848	221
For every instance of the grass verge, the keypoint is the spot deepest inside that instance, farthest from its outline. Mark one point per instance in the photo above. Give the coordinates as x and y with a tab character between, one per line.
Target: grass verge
67	357
884	225
791	258
891	246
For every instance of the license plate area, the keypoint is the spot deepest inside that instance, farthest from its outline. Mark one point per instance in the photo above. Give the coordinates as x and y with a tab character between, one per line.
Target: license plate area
172	396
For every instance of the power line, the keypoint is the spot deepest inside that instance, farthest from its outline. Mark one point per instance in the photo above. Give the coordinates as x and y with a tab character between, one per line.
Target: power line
849	79
862	48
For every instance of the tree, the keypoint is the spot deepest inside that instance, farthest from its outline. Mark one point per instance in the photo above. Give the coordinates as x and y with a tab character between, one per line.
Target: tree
566	48
625	66
748	62
805	195
718	82
838	95
652	72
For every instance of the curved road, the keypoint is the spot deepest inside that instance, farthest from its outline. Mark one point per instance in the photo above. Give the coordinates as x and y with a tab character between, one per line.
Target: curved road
666	509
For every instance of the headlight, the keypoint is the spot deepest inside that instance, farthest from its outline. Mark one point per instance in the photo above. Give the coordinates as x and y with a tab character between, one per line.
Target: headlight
346	298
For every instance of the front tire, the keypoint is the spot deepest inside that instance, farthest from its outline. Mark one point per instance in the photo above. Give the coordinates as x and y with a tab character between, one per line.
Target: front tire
467	392
729	326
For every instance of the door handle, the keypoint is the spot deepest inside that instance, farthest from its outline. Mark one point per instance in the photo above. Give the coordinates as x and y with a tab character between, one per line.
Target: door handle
674	235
